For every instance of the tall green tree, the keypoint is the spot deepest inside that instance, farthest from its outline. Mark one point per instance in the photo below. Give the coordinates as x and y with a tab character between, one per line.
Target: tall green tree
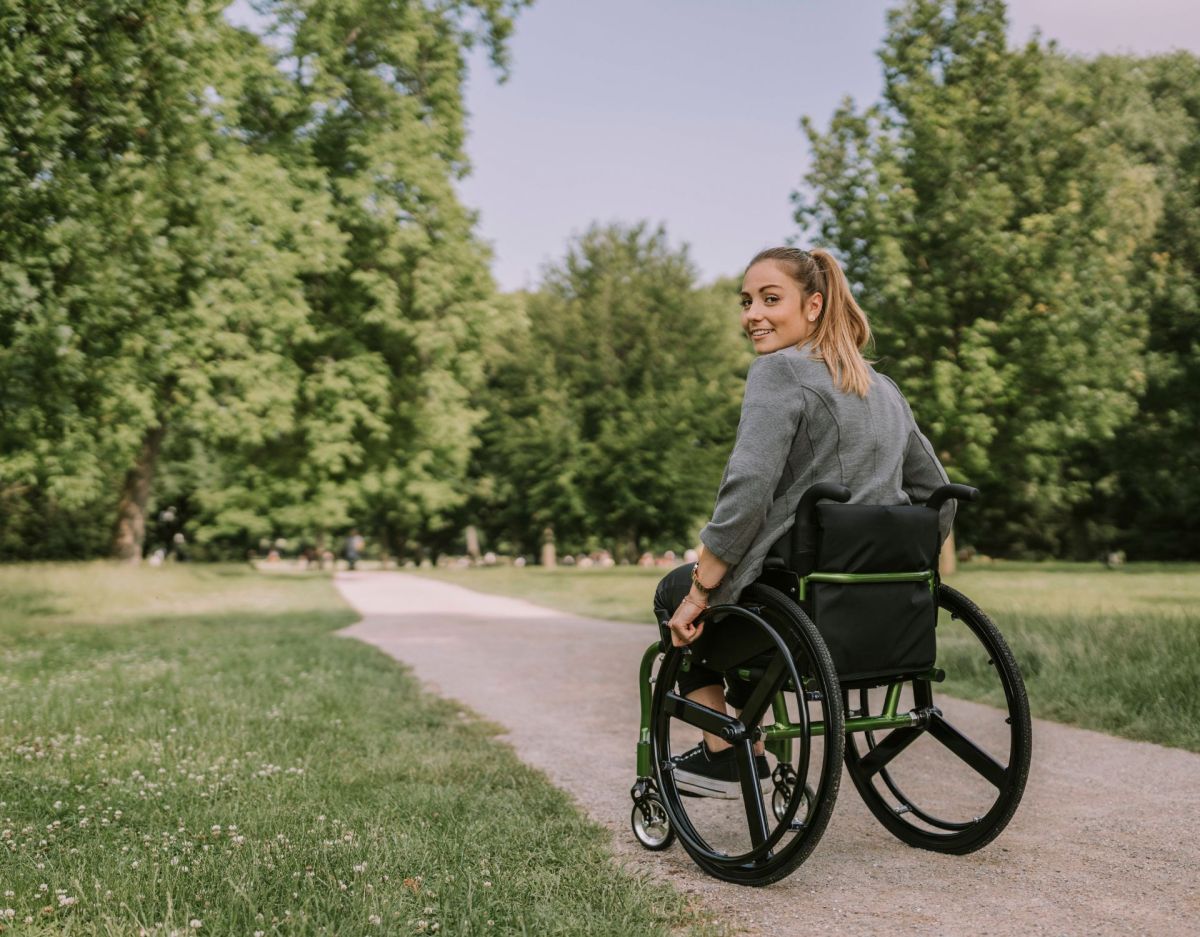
383	422
245	261
992	225
1149	473
100	114
613	407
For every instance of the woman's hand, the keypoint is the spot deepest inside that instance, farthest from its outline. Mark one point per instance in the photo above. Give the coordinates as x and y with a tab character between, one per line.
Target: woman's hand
684	630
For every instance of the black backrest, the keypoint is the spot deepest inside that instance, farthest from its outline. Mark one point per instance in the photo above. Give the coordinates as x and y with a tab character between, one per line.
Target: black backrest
875	538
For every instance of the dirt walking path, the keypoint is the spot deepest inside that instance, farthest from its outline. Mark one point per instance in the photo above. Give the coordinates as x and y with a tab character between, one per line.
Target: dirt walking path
1107	839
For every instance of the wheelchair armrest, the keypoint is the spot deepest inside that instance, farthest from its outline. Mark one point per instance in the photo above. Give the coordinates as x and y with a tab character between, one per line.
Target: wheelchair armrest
806	509
946	492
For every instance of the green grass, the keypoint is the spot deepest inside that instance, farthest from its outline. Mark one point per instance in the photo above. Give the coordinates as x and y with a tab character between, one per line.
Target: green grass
192	750
1114	650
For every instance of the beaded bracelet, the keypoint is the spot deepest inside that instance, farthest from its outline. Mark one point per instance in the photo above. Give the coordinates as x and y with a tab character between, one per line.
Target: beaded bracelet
698	584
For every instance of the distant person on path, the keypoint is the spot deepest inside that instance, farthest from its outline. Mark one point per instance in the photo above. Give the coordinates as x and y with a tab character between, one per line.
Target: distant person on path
814	411
354	547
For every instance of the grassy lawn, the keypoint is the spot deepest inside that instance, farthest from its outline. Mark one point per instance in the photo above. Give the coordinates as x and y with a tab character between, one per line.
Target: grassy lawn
192	750
1114	650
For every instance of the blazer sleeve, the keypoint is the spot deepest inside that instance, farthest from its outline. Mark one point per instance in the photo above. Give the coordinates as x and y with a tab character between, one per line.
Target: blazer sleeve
772	409
923	474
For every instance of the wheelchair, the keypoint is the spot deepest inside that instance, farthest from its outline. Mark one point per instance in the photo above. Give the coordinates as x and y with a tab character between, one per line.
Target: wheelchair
856	653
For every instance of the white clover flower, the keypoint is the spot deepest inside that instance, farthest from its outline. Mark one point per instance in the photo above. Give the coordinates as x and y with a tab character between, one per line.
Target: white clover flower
195	923
375	919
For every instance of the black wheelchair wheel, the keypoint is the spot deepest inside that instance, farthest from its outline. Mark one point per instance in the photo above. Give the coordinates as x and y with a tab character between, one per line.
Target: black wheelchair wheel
952	781
772	643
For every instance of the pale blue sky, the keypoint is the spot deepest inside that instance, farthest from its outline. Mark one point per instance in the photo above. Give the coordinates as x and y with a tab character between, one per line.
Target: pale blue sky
686	112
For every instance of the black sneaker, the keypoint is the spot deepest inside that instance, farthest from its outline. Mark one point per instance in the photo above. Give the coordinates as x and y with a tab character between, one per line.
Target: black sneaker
701	773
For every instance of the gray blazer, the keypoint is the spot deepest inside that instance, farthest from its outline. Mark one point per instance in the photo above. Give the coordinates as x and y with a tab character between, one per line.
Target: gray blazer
797	428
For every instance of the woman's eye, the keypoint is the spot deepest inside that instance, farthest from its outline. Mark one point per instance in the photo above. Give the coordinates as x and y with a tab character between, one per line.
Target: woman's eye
770	300
744	303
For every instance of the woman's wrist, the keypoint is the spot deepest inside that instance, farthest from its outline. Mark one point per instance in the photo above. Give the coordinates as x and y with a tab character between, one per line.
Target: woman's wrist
698	584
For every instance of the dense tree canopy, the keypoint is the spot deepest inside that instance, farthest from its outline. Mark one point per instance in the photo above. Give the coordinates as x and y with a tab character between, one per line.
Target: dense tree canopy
998	224
239	293
614	403
237	268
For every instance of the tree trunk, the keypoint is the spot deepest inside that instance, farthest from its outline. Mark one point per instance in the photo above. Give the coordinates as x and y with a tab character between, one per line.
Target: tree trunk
130	535
384	535
549	554
473	550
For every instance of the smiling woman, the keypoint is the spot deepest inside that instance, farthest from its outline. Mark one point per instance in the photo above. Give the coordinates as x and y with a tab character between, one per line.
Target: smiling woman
814	411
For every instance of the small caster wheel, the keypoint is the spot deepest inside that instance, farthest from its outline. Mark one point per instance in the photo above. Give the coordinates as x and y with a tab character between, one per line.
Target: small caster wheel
779	803
650	824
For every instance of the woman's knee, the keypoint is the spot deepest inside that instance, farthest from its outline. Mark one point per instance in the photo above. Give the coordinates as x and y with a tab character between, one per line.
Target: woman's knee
670	592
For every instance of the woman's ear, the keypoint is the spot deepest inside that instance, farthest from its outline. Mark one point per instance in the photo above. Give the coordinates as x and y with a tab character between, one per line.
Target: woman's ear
816	303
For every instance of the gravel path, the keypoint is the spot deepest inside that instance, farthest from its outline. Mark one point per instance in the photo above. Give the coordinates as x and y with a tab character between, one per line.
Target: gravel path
1106	841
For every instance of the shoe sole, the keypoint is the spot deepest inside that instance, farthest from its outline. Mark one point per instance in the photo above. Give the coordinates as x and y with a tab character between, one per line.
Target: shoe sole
695	785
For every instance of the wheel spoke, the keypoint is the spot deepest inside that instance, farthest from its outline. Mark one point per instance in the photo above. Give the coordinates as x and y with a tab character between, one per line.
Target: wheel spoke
765	691
756	813
892	745
696	715
994	772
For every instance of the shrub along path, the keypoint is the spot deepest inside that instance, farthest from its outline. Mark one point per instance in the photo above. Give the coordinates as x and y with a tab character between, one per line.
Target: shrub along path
1106	841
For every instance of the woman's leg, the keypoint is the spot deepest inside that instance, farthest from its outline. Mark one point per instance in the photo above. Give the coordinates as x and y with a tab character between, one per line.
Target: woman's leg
699	684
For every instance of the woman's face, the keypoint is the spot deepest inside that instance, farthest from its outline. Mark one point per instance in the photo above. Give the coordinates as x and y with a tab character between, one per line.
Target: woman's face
775	313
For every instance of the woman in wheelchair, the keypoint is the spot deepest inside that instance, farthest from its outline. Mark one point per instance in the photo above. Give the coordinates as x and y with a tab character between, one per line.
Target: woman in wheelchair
814	411
824	625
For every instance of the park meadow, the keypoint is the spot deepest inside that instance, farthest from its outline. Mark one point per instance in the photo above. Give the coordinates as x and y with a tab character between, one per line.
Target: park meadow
193	749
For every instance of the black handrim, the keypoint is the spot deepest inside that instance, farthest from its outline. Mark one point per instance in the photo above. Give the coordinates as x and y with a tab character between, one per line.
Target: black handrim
901	810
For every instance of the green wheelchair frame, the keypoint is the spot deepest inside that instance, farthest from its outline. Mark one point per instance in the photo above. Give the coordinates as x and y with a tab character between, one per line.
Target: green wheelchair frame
802	668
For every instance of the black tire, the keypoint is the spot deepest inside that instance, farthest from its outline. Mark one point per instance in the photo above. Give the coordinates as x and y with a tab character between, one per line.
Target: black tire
798	666
956	796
